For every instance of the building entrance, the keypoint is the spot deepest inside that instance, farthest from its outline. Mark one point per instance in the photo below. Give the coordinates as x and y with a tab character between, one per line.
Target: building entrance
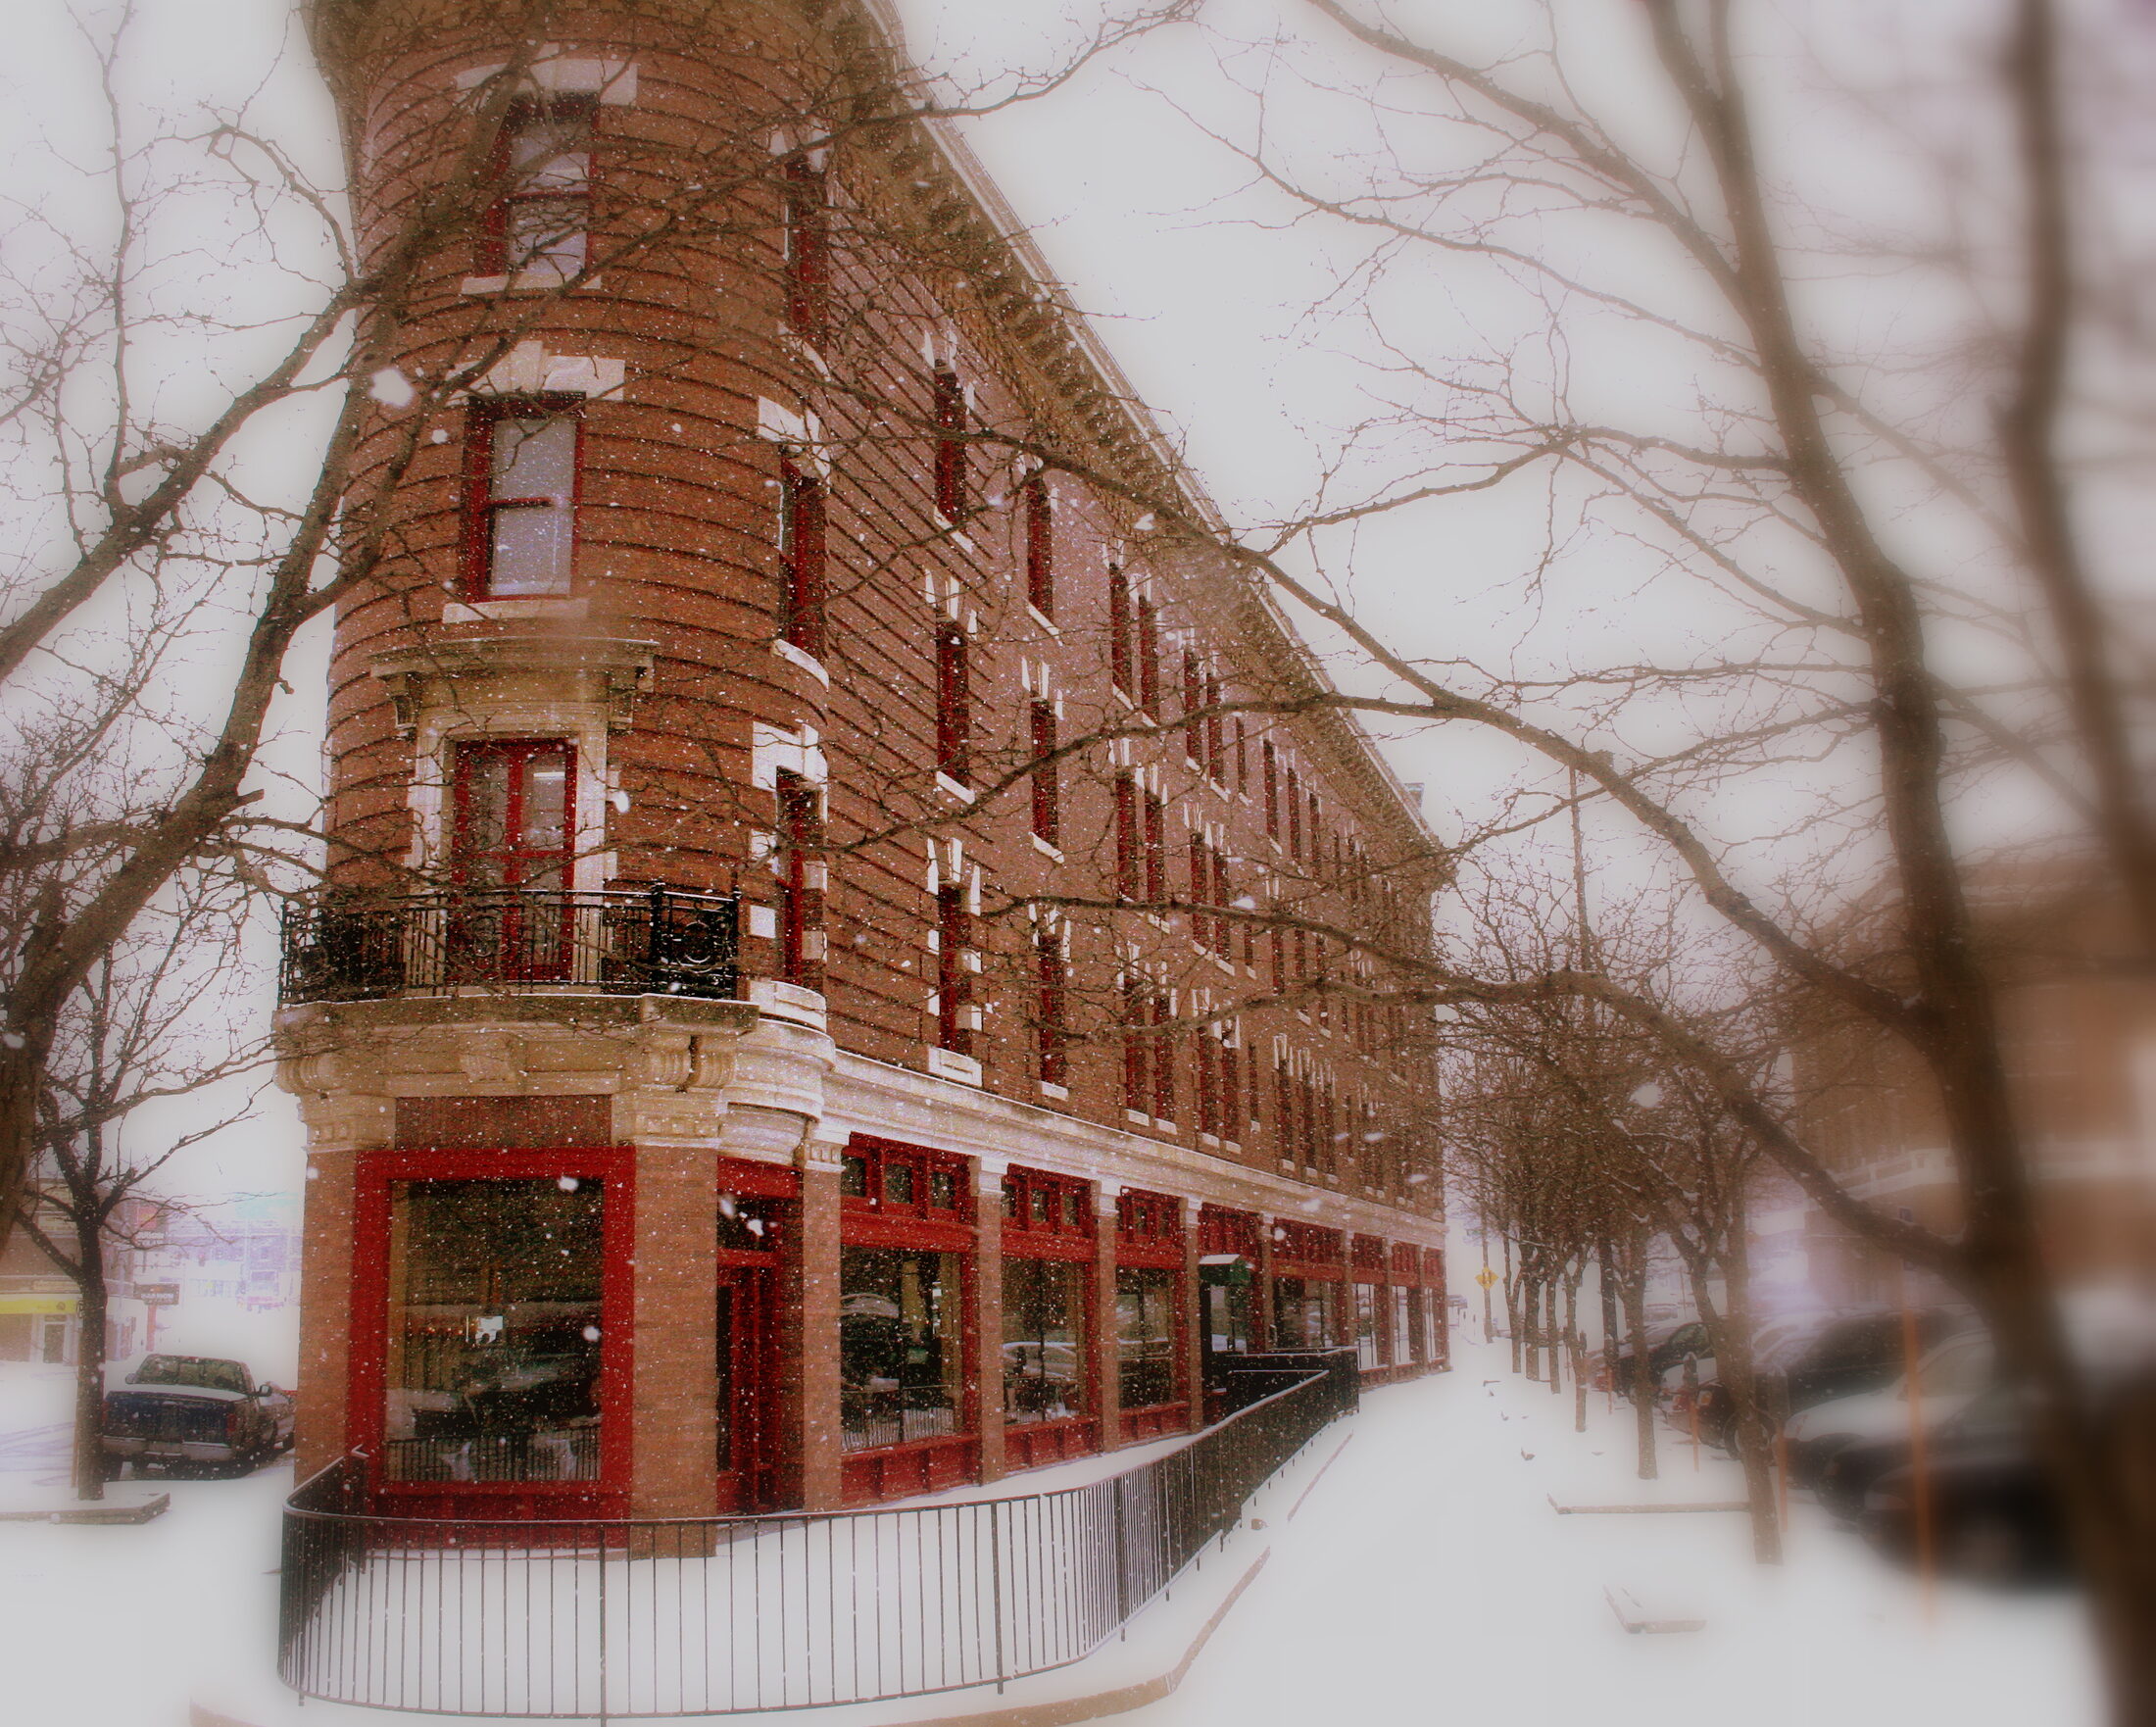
746	1390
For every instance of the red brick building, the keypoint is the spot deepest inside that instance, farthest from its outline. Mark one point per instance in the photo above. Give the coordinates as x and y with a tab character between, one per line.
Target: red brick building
855	953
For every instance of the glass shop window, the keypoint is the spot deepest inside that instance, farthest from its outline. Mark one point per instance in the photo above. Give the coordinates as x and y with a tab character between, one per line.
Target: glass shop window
495	1330
1144	1335
1305	1314
1403	1330
1367	1353
1043	1340
901	1362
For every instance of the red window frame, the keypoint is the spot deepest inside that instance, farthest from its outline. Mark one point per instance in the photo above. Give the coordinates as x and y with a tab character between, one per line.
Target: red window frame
954	703
1309	1250
876	1218
948	413
483	414
1162	1013
1201	870
1223	897
805	239
953	979
1128	846
1271	762
1053	1033
1040	543
518	862
1148	1229
1242	758
1156	850
1137	1057
1047	1216
1194	697
1216	761
1120	657
492	251
367	1375
1149	657
1047	773
803	549
800	895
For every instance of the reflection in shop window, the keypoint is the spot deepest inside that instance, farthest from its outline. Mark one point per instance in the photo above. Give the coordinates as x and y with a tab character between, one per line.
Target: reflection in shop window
494	1330
1144	1335
899	1362
1044	1347
1366	1326
1305	1314
1402	1331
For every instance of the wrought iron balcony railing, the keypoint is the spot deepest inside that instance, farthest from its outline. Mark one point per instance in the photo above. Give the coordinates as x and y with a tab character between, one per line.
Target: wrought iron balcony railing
655	942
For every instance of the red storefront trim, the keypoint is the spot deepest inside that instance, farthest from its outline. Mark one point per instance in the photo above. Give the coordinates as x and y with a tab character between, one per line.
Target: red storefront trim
607	1496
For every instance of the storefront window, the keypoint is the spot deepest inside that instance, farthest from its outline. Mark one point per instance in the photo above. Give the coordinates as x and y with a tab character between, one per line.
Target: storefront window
1305	1314
1227	1307
899	1362
494	1326
1043	1340
1366	1326
1144	1335
1402	1333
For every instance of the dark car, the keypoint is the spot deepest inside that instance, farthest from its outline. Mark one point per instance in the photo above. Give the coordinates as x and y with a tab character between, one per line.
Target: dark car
1992	1515
190	1414
1669	1344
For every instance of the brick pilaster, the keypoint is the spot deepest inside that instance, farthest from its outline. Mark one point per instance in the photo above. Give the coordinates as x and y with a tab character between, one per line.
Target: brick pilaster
987	1391
675	1366
1108	1383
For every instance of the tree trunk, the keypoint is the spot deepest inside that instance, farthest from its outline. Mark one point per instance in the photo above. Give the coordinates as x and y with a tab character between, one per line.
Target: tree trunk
1643	1383
1605	1277
1578	1345
1731	1332
88	1468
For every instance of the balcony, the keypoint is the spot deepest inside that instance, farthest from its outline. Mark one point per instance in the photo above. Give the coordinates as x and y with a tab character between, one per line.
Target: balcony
656	942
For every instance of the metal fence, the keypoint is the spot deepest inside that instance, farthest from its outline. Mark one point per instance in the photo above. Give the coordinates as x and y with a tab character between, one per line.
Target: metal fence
622	1618
651	942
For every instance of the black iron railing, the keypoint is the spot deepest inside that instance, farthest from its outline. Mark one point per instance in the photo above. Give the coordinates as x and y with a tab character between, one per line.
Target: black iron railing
632	1618
658	941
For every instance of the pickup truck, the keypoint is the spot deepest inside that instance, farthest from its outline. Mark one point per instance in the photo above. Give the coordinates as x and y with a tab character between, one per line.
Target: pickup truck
188	1414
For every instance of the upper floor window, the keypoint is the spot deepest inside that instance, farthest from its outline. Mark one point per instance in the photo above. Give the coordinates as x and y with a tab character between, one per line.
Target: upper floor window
540	217
954	703
1120	655
1149	657
522	456
799	868
1129	877
1053	974
1048	813
800	539
1271	762
1040	532
1193	700
950	414
955	1010
807	215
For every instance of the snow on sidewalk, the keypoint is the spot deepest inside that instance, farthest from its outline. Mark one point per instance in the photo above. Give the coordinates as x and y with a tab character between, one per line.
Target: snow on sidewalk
1427	1579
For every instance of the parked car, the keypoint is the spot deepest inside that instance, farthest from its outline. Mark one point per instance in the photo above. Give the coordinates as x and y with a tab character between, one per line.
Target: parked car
1670	1343
1948	1377
182	1414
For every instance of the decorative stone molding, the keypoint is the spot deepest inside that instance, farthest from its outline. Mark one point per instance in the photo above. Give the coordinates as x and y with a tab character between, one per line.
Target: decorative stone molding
464	674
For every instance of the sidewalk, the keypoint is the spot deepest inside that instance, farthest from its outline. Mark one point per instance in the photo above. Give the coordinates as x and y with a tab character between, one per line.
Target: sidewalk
1427	1579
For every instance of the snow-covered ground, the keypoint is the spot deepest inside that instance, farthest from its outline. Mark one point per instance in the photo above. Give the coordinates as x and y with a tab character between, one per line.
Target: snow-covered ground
1424	1577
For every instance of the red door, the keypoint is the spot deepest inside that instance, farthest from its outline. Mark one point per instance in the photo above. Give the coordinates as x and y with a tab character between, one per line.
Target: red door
746	1383
510	848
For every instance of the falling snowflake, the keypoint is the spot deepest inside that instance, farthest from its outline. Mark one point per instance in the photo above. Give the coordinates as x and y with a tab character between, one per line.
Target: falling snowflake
391	388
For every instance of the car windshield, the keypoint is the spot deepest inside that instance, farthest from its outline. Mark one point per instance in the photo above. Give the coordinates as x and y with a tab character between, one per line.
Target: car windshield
194	1370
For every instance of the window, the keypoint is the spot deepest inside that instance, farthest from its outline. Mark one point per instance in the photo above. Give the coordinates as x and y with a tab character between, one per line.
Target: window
1223	895
949	410
496	1321
900	1350
1272	791
801	873
801	552
1040	532
1294	816
1048	813
1144	1335
1156	850
953	705
1149	657
1242	758
953	971
1136	1049
1368	1350
896	1180
511	815
1164	1057
1129	882
1201	861
1216	756
806	219
1051	970
521	532
1044	1340
1305	1314
1120	655
541	215
1193	699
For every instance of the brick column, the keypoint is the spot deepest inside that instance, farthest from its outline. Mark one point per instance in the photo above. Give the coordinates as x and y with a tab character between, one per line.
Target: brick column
808	1348
1108	1383
675	1363
1193	1348
987	1390
327	1321
1262	1291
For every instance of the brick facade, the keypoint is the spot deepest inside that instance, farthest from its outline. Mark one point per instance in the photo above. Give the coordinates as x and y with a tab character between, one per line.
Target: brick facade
842	451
